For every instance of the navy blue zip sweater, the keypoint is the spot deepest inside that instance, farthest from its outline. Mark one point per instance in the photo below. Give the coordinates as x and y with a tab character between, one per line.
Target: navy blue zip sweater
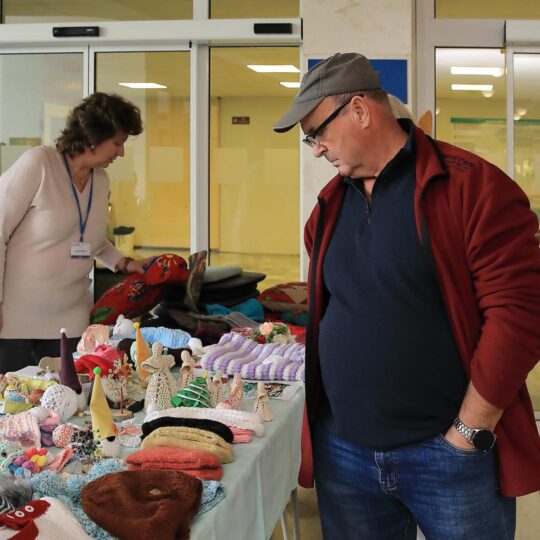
389	362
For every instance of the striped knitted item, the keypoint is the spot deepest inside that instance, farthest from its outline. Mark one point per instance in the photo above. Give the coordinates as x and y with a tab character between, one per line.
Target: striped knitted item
261	361
5	505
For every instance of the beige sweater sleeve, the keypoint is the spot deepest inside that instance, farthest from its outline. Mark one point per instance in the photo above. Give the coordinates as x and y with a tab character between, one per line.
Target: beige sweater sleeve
18	187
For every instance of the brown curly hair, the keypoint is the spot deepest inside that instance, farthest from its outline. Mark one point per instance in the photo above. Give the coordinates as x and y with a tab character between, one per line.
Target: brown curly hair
98	118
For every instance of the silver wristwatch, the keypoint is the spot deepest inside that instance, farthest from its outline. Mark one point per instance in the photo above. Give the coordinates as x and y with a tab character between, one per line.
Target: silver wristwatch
481	438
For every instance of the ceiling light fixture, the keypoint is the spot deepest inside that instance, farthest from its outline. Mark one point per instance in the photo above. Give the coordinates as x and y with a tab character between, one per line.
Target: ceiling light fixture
139	85
269	68
466	70
522	111
488	94
290	84
475	87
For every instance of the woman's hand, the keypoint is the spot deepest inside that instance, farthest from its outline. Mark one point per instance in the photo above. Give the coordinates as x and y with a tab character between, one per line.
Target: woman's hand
127	265
137	265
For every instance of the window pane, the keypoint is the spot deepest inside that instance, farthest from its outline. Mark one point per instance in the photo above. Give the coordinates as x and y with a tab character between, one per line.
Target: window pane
472	119
253	9
36	93
150	184
487	9
527	151
254	172
26	11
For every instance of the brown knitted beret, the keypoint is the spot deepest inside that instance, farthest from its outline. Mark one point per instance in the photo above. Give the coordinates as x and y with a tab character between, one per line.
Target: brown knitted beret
146	503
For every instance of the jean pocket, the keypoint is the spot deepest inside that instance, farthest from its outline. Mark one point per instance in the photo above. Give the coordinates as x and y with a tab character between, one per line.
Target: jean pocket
460	451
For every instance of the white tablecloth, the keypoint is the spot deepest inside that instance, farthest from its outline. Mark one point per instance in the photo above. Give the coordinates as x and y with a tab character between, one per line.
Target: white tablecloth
260	480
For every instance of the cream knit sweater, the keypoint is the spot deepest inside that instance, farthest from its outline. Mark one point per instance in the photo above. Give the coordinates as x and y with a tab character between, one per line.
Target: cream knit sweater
42	288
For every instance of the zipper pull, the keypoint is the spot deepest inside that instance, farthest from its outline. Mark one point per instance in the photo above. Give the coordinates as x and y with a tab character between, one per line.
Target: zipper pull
368	212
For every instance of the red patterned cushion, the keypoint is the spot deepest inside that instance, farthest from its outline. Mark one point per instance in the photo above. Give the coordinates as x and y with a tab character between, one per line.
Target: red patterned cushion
285	297
137	294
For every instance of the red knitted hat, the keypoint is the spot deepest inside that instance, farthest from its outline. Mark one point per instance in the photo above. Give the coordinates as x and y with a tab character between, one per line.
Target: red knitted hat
148	503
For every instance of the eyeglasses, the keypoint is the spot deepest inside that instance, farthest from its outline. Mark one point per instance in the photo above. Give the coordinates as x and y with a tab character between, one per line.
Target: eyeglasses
311	138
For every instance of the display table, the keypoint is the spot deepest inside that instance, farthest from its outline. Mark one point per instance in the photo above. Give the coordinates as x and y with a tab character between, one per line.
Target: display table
260	481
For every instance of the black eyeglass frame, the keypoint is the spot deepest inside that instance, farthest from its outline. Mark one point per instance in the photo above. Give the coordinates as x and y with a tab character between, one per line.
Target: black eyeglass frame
311	138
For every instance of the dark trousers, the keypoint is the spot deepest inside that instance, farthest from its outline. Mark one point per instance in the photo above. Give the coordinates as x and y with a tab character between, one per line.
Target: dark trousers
18	353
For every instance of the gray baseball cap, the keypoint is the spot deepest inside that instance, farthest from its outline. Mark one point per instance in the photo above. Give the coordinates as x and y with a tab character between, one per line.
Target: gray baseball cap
339	74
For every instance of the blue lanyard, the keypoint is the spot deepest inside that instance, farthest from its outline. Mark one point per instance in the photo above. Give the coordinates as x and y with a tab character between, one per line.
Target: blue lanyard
82	224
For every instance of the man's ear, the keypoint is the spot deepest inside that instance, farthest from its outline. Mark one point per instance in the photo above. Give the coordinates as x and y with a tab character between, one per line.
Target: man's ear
361	110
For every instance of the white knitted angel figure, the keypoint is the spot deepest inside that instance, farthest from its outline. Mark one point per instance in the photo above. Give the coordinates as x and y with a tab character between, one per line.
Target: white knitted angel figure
236	392
186	371
212	390
162	385
262	405
220	388
215	387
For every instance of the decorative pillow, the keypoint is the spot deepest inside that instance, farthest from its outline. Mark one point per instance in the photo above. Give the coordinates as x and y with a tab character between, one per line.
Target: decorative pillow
137	294
285	297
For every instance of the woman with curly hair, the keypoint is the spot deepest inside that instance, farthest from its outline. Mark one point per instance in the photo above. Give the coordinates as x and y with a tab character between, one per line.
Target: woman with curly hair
53	219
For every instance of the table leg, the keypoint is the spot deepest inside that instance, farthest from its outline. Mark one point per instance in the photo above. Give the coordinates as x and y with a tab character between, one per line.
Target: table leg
284	527
296	514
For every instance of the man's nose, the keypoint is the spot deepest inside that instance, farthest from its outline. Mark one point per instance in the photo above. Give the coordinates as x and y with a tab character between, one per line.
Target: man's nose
319	150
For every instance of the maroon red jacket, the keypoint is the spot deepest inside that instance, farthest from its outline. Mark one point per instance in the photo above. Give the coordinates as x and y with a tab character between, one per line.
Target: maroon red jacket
476	224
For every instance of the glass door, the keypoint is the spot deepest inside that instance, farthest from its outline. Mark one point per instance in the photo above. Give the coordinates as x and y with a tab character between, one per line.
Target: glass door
150	185
37	89
526	120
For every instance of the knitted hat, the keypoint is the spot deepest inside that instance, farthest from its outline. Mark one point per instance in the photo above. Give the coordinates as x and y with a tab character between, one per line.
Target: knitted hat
102	420
68	375
184	437
209	425
199	463
195	394
143	351
147	503
60	399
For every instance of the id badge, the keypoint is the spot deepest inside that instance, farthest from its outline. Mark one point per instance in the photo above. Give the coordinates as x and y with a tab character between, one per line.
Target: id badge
81	250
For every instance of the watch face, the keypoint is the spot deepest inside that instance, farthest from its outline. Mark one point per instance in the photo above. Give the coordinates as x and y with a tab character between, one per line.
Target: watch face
483	439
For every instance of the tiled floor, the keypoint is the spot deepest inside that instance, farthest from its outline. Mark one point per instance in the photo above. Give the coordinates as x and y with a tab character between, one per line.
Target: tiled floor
528	521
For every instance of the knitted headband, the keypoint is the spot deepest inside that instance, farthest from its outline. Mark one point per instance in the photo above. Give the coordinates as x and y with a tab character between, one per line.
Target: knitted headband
230	417
199	463
209	425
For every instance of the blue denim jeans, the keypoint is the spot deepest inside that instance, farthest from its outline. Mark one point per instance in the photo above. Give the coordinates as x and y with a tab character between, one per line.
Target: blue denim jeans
448	492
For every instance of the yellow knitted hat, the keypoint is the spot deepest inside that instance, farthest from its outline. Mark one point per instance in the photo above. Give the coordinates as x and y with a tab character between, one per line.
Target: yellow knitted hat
185	437
143	351
102	420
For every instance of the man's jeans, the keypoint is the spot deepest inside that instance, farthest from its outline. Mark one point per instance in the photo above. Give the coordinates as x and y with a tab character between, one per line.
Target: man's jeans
449	492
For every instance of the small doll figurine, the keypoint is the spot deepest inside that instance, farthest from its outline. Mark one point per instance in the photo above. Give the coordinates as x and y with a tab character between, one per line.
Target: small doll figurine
219	388
262	406
186	371
162	384
236	392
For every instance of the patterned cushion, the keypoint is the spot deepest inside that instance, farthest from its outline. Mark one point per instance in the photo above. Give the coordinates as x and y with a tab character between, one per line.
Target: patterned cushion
137	294
285	297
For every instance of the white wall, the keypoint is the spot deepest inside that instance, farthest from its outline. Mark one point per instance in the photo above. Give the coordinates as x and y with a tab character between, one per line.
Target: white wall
375	28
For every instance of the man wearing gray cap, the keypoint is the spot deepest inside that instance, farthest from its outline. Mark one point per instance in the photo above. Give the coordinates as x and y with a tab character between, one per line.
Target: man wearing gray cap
424	310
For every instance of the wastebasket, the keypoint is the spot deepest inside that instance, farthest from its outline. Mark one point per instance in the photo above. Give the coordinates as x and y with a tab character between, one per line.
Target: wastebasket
124	240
